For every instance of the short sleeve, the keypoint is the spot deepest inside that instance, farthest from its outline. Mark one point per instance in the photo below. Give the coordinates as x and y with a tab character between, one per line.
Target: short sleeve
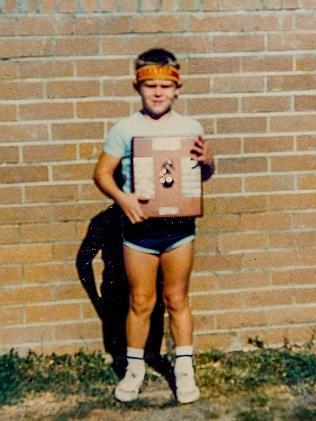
114	143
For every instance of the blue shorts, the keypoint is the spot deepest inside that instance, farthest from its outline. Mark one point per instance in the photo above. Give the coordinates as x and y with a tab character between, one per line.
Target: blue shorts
155	236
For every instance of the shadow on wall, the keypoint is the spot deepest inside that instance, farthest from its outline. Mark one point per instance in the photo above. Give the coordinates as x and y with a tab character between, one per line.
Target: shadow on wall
104	235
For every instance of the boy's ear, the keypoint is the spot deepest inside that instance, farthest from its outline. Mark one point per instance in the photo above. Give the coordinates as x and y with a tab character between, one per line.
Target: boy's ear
136	86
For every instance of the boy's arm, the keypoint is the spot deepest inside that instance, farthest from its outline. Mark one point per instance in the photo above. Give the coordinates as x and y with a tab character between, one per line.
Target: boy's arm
104	179
202	153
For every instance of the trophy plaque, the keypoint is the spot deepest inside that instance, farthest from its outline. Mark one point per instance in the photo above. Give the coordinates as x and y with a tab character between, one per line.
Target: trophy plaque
164	173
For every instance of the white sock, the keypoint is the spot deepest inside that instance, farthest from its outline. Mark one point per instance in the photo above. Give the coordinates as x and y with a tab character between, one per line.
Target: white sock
135	359
184	363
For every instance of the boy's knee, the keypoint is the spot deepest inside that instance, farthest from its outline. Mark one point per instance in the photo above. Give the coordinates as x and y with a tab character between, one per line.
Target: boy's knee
142	305
175	302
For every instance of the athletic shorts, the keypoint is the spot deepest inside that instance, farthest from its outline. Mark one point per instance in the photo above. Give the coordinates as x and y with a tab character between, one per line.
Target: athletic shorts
155	236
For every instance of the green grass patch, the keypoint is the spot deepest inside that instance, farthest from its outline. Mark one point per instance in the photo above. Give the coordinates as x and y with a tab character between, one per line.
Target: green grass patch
241	379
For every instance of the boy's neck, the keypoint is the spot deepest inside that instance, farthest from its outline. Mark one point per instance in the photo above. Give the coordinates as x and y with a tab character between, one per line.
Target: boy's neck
156	117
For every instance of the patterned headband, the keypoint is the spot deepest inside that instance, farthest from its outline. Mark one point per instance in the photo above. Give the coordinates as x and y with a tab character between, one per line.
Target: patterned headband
154	71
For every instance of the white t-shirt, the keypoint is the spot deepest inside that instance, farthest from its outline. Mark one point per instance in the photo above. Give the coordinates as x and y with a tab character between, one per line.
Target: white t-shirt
119	138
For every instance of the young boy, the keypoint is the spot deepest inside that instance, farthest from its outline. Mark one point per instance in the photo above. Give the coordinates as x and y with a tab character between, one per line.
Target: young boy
150	243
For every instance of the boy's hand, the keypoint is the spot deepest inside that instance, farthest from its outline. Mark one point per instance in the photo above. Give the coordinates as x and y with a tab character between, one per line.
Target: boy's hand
201	153
130	204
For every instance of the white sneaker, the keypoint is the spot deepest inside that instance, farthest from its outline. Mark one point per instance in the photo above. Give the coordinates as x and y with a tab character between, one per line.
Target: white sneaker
128	388
186	388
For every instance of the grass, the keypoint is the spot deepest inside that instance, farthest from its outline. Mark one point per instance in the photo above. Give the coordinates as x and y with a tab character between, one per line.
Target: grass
242	377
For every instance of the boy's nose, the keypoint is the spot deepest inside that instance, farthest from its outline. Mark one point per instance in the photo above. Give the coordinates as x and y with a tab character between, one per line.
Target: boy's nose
158	91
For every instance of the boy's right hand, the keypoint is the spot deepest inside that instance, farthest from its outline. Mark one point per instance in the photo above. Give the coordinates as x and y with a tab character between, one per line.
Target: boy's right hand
130	204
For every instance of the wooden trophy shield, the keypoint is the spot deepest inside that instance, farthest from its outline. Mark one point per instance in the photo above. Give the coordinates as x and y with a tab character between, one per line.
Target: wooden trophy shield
163	172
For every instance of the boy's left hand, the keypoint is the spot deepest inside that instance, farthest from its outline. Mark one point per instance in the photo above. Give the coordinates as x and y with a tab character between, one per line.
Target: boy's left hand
201	153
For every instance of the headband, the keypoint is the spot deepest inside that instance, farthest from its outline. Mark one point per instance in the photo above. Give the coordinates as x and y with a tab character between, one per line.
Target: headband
154	71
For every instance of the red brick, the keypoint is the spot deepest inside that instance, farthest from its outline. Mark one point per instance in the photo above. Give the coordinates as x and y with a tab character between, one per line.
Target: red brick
307	256
70	291
202	323
94	25
293	163
51	193
291	41
294	277
9	234
241	319
305	63
267	64
291	82
25	253
48	232
47	153
268	104
282	240
217	340
73	89
72	331
45	69
269	183
19	174
123	45
204	244
47	6
306	143
292	201
50	313
21	90
266	22
305	102
66	251
216	23
202	283
293	123
241	241
221	223
160	23
7	112
306	182
10	275
10	195
29	335
90	150
268	144
269	298
291	315
241	165
64	212
215	301
90	192
41	25
265	221
209	65
305	219
241	125
195	85
223	185
223	146
244	280
73	172
46	111
22	214
75	131
8	70
27	47
212	105
11	316
236	43
273	259
23	132
183	44
102	109
216	263
9	154
102	67
234	84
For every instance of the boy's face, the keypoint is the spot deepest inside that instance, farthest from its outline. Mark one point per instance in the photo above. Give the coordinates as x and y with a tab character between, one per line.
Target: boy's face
158	96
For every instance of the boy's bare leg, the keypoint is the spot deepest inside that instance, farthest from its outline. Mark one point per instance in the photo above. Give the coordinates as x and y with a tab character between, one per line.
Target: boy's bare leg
176	267
141	269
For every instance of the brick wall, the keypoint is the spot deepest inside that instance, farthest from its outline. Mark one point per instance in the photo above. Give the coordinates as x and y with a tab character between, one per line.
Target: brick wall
249	72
